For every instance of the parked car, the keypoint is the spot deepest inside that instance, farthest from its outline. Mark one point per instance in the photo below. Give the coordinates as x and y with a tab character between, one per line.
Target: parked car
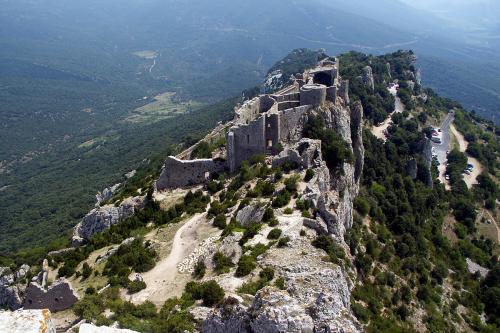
447	177
467	172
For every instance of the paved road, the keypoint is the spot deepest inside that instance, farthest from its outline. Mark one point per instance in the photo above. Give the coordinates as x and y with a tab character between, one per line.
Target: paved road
444	146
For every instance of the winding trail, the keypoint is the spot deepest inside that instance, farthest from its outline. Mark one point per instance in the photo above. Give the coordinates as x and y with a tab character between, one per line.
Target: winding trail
164	281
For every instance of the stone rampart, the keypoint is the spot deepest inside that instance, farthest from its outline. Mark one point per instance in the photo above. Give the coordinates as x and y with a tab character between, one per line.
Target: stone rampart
60	296
180	173
313	94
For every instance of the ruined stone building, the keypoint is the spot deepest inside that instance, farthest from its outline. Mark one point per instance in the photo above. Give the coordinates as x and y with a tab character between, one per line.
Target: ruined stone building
262	125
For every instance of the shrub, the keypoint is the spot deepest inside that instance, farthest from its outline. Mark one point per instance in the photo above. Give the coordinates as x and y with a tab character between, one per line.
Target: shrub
268	214
362	206
136	286
210	292
251	288
246	265
280	283
288	211
326	243
274	222
302	232
309	175
222	263
249	233
282	199
86	271
220	221
274	234
283	241
199	269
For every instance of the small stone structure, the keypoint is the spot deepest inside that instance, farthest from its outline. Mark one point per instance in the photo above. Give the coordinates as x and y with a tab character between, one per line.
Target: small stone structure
262	125
58	297
26	321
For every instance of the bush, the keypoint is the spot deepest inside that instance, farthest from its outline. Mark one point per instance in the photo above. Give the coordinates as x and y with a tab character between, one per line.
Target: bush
220	221
222	263
199	269
246	265
268	215
362	206
282	199
309	175
283	241
280	283
136	286
86	271
288	211
274	234
210	292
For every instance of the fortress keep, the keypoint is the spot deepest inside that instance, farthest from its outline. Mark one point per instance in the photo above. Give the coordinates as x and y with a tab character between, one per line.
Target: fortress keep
262	126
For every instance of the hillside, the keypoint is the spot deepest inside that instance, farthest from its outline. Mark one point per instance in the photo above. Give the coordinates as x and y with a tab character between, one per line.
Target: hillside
72	77
328	228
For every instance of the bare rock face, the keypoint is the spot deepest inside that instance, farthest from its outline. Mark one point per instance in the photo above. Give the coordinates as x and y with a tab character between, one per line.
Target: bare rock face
106	194
275	311
102	218
316	298
368	78
26	321
250	214
333	191
12	287
11	297
230	317
306	153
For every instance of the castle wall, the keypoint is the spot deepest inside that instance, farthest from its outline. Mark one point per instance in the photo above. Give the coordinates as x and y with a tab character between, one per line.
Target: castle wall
290	123
181	173
251	110
272	132
60	296
247	140
313	94
331	94
288	105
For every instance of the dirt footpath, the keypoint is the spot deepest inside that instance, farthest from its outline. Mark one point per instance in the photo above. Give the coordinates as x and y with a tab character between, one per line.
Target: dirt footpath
164	281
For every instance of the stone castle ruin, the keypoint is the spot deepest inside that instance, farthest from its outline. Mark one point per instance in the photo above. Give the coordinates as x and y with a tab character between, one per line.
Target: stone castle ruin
262	126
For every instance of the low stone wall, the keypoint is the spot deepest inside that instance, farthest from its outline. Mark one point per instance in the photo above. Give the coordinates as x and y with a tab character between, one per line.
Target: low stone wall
179	173
60	296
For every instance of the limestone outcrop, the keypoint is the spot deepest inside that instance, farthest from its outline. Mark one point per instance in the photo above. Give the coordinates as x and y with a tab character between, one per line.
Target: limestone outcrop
306	153
26	321
90	328
106	194
368	78
102	218
252	213
12	287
